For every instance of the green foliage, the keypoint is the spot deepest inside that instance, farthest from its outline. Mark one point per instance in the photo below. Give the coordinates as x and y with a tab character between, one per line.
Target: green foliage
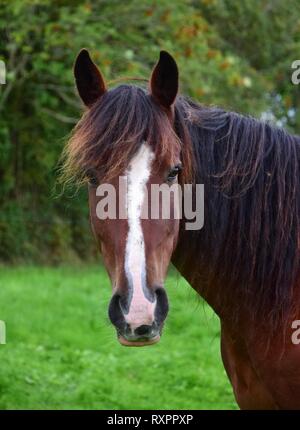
233	54
61	353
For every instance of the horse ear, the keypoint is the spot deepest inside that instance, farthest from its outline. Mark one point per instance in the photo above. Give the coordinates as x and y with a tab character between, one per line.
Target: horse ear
164	80
89	81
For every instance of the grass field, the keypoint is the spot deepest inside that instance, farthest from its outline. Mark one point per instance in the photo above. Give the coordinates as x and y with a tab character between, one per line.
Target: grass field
62	353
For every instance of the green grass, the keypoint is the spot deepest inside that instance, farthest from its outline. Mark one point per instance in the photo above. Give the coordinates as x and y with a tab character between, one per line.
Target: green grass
62	352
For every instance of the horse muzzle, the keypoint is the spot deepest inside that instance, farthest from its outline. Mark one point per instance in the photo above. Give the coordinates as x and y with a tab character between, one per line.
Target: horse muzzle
141	336
141	325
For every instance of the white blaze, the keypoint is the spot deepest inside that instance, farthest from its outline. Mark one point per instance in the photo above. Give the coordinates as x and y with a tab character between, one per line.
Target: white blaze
141	310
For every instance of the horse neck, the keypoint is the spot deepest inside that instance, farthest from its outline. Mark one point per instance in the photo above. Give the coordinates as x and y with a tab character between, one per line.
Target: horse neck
191	257
242	237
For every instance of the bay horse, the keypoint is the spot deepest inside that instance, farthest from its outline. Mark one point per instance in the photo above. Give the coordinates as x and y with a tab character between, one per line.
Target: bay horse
245	260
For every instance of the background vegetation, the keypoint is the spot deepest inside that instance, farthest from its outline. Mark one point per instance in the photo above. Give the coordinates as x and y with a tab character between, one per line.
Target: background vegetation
61	352
230	53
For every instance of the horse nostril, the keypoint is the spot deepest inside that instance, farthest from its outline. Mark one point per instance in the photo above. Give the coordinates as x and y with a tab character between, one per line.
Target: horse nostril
162	306
115	312
143	330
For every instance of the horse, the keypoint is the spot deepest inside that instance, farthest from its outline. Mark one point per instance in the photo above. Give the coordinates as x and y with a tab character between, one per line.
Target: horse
244	261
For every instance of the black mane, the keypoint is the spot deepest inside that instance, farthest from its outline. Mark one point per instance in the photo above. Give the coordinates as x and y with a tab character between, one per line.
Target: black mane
249	245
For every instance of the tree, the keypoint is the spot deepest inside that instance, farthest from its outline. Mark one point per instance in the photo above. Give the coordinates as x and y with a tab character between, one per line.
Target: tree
234	54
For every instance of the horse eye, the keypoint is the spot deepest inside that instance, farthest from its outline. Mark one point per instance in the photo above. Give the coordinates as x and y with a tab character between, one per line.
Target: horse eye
172	175
92	178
